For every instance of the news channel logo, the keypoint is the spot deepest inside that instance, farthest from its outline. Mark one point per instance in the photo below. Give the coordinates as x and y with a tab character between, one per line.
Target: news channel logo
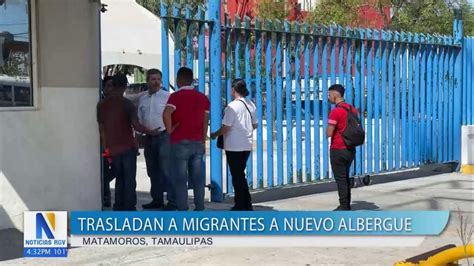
45	234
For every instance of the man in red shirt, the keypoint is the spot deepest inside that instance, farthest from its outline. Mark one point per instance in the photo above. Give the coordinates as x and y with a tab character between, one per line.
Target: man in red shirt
341	155
186	119
117	117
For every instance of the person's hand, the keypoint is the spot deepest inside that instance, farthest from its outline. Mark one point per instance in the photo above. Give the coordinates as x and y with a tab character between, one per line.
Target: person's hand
214	135
172	129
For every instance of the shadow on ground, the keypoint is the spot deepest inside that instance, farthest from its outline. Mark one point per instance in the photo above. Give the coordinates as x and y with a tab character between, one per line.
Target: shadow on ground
328	185
11	241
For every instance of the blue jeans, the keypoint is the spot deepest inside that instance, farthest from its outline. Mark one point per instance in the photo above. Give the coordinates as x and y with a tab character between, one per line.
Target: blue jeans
124	168
157	155
187	163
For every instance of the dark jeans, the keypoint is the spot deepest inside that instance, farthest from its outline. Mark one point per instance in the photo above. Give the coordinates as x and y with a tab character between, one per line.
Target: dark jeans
341	161
187	163
237	162
157	155
124	167
107	178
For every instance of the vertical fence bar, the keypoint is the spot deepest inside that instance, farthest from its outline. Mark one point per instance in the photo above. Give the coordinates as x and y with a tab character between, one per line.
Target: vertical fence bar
237	47
307	108
228	85
424	52
248	81
165	45
410	102
434	106
201	50
269	100
397	100
316	106
332	46
258	81
189	37
377	75
470	87
279	104
299	147
384	100
340	56
440	141
358	90
215	93
458	78
391	58
429	98
370	98
201	64
325	100
451	103
362	158
404	102
228	62
464	84
177	36
288	105
417	61
446	99
348	77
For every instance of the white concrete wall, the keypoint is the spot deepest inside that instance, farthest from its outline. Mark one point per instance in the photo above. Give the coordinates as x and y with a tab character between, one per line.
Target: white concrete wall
49	157
467	147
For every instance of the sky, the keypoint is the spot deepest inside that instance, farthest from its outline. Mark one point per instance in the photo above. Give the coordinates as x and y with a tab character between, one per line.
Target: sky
14	19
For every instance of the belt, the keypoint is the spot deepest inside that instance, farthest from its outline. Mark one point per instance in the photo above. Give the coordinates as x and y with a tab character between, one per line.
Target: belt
159	134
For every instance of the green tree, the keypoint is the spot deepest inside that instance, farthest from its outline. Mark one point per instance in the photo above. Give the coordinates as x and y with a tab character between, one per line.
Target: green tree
272	9
432	16
429	16
341	12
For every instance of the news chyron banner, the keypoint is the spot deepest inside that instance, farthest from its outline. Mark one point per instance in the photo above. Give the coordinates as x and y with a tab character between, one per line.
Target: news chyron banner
275	228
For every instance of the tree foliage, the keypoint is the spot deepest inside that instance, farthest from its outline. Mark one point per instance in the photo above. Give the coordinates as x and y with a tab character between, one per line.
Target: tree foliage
272	9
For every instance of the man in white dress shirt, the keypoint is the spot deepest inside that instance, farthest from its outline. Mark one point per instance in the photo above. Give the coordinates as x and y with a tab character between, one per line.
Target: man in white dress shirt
150	113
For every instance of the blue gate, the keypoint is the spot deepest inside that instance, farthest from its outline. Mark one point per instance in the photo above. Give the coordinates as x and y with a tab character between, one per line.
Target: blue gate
468	86
408	88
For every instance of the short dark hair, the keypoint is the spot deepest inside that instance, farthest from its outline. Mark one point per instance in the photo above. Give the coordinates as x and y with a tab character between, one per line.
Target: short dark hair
120	80
106	79
240	87
153	71
339	88
185	75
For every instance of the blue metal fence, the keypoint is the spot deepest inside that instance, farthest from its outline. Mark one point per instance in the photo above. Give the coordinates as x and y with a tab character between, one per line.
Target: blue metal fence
406	87
468	86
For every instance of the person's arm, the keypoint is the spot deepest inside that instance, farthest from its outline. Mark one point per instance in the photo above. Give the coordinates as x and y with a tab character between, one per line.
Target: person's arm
330	130
167	120
227	121
254	116
141	128
332	122
207	108
132	113
101	127
102	136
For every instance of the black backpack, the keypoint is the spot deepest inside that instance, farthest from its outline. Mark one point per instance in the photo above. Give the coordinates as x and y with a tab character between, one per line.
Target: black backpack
354	134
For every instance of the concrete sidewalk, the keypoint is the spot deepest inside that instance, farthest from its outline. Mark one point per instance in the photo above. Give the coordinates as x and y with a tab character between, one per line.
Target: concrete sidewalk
451	191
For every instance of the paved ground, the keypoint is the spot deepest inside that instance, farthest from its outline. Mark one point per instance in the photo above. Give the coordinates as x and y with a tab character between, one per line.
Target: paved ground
451	191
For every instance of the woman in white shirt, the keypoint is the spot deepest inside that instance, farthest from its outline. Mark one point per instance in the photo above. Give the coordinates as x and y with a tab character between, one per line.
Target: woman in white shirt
238	124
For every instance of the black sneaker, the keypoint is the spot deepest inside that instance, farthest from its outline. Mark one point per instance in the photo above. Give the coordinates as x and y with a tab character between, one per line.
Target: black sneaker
153	205
339	208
